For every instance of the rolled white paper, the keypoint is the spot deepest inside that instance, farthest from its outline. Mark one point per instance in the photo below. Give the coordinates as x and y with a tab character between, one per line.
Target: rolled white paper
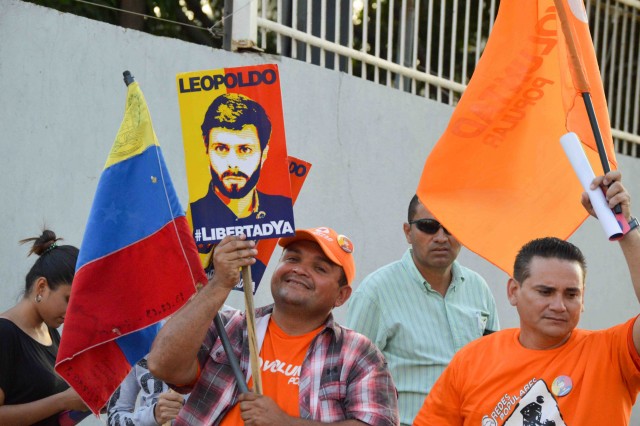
573	149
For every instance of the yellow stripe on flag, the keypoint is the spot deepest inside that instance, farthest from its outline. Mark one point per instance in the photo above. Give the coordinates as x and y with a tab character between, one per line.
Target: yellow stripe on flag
136	131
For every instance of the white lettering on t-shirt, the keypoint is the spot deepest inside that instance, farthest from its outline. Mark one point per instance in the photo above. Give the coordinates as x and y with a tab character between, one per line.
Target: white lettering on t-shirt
283	368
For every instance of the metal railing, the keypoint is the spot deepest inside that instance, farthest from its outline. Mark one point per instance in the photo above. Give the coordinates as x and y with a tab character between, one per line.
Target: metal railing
431	47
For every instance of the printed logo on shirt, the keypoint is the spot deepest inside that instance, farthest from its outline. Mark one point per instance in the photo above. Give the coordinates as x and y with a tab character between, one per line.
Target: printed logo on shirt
536	406
281	368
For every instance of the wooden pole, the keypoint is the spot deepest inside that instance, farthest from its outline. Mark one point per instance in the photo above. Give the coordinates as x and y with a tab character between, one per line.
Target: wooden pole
251	329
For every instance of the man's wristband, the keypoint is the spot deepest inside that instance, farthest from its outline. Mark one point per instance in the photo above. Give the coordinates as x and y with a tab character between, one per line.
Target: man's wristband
633	223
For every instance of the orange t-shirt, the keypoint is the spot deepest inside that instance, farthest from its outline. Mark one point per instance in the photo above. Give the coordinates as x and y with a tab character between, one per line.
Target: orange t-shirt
281	358
591	380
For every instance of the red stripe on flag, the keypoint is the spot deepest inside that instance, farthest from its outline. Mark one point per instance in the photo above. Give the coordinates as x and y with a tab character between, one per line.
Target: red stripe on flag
104	364
117	295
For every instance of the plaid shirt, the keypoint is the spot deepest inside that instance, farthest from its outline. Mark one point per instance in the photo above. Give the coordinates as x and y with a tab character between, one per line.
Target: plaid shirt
344	376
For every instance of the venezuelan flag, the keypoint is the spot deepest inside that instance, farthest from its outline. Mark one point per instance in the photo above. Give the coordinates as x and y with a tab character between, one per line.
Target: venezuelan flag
137	265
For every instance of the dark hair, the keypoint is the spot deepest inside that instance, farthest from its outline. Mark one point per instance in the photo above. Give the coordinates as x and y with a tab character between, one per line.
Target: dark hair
56	263
548	248
413	206
233	111
343	278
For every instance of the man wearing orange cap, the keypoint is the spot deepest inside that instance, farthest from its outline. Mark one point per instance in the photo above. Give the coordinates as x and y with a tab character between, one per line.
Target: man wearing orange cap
311	367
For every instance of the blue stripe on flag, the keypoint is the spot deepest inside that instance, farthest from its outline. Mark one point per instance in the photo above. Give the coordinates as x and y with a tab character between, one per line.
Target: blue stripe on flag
131	204
137	345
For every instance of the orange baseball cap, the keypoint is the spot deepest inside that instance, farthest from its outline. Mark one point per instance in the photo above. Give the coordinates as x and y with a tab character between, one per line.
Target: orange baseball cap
336	247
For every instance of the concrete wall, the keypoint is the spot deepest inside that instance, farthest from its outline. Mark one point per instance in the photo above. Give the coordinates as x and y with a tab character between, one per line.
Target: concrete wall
62	100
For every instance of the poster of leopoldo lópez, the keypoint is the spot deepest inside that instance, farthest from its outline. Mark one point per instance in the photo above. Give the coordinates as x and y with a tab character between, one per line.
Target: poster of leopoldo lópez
236	155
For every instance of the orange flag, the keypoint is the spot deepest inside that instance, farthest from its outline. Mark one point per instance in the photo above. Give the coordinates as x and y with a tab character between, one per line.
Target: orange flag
498	177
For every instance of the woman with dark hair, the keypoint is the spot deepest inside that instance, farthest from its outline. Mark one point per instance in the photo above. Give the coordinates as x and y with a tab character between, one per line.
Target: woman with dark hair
30	390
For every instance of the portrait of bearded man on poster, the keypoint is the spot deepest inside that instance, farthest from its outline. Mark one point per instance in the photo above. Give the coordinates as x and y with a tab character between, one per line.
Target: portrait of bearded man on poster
236	131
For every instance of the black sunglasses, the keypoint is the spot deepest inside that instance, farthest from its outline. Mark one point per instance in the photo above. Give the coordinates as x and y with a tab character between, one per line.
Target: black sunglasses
429	226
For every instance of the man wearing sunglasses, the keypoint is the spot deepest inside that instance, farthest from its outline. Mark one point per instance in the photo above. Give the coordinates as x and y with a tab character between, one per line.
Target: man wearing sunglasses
422	309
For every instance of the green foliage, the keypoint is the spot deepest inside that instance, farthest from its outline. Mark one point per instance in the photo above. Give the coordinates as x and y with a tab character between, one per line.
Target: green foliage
83	9
191	13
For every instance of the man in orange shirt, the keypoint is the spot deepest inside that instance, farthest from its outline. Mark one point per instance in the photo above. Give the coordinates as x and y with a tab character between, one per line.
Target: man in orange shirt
547	372
314	371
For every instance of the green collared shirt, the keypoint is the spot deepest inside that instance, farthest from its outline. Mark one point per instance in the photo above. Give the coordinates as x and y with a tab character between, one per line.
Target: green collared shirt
418	329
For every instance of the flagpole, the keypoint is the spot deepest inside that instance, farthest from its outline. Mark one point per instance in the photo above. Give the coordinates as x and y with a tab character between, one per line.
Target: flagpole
233	360
583	85
128	78
247	282
595	128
